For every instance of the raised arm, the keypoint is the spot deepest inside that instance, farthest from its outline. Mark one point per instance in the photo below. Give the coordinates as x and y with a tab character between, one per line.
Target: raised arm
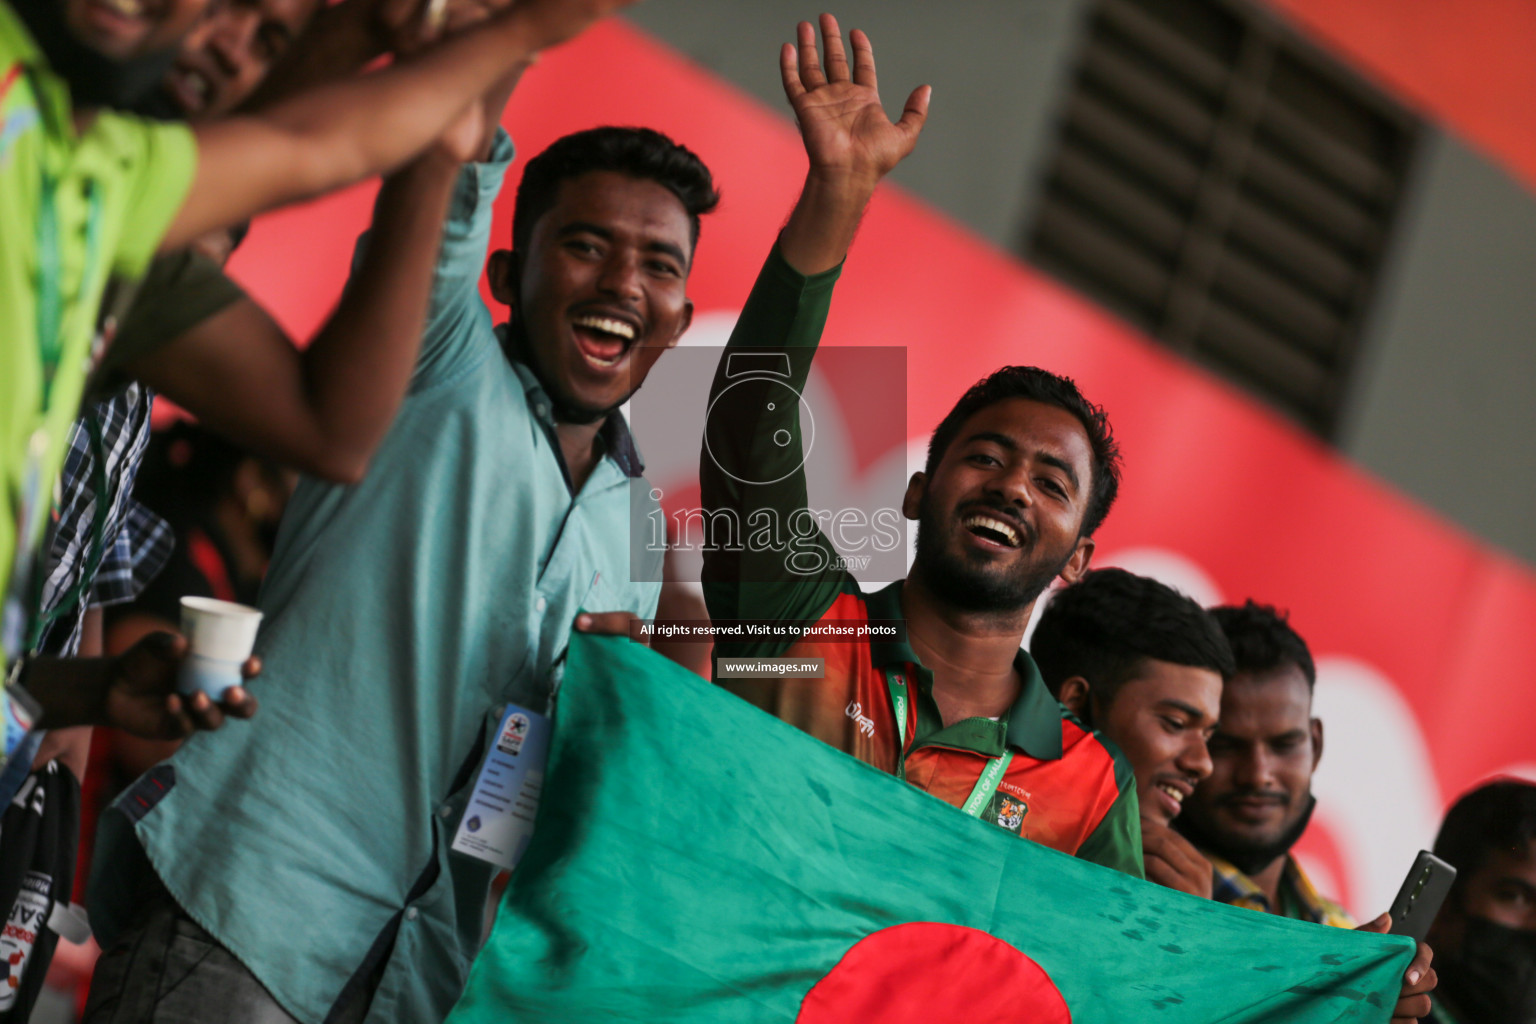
325	409
751	470
849	140
339	133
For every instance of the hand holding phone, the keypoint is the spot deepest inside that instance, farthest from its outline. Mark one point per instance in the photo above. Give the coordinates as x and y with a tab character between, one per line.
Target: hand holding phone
1419	899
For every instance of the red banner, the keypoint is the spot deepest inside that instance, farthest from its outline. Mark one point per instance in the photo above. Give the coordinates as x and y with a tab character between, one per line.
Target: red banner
1419	631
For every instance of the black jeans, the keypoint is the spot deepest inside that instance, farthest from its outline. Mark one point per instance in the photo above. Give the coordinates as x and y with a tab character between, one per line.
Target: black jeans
165	969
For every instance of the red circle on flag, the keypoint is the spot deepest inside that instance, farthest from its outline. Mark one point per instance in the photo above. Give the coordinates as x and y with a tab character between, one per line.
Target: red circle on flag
925	971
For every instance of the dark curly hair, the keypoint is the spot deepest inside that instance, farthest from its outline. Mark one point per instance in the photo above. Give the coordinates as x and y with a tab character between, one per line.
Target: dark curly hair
1103	626
1047	388
638	152
1262	640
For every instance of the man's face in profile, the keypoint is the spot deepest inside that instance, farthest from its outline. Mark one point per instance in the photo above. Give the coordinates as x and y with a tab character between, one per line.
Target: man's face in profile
1161	719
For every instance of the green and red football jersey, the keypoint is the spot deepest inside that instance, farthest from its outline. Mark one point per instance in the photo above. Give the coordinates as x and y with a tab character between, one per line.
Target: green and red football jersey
1035	771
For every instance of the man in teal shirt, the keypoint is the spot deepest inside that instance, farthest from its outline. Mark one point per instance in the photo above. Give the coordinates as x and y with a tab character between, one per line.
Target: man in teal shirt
310	852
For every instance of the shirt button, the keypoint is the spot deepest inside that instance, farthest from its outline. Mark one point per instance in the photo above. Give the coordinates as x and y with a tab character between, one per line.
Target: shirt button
410	913
444	811
540	605
539	410
499	710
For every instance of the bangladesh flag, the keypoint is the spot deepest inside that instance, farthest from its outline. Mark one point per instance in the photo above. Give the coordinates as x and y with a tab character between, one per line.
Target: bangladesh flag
697	860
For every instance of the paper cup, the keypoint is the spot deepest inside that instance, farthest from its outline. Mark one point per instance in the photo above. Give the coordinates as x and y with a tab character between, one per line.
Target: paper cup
220	635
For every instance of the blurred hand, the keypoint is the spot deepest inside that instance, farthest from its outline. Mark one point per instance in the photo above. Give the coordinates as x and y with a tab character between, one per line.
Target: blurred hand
608	624
552	22
842	123
1418	981
1173	861
407	26
140	695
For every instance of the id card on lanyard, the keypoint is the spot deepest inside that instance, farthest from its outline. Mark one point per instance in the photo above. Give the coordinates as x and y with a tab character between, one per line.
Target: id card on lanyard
498	819
991	776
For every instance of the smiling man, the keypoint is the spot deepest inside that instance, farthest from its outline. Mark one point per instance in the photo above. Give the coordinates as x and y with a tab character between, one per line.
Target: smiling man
1256	803
1019	475
413	606
1142	664
1254	806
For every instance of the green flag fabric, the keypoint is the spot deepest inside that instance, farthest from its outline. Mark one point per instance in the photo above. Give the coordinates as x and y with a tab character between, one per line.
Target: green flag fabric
695	859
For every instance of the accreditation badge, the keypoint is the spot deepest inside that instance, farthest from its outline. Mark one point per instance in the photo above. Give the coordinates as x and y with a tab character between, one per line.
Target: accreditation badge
498	820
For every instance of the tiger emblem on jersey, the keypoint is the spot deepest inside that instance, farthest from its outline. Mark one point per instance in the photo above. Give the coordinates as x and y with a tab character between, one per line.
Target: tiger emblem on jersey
1011	814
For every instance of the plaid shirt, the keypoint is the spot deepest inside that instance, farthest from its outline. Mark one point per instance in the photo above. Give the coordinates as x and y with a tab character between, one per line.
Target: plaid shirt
136	543
1298	897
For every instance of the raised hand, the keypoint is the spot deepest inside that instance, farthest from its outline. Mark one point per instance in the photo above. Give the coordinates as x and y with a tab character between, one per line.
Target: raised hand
850	142
552	22
407	26
838	108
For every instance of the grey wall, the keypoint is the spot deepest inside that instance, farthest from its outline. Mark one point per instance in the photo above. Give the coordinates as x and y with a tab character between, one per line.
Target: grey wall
996	67
1443	405
1445	400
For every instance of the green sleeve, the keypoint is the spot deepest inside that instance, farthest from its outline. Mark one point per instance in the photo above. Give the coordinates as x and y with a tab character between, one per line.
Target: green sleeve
162	159
1116	842
765	556
179	292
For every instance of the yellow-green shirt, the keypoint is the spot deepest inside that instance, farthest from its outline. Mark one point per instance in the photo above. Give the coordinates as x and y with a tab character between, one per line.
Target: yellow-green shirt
112	190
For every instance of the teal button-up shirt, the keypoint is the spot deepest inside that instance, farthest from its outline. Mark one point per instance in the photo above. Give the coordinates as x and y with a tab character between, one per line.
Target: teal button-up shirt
401	614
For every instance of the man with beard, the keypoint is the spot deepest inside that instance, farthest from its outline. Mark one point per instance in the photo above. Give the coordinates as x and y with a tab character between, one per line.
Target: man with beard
1144	665
1256	803
1019	475
1485	933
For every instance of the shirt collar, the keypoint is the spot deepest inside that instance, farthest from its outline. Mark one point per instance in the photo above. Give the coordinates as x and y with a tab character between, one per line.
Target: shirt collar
1232	886
1034	720
618	442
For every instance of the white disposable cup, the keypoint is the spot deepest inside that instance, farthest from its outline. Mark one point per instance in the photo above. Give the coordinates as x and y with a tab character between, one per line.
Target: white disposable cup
220	635
219	629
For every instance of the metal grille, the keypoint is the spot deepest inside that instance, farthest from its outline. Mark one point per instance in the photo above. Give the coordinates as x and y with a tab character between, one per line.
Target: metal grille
1227	188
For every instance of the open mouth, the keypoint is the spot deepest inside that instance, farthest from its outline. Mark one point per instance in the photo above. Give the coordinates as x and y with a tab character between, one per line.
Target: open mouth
993	530
1174	792
603	340
117	15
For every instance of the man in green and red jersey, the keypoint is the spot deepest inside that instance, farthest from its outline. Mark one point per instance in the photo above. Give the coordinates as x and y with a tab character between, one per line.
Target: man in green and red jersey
1019	475
1144	665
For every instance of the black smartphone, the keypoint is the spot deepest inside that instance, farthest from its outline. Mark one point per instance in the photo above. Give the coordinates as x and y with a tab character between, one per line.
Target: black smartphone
1418	901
